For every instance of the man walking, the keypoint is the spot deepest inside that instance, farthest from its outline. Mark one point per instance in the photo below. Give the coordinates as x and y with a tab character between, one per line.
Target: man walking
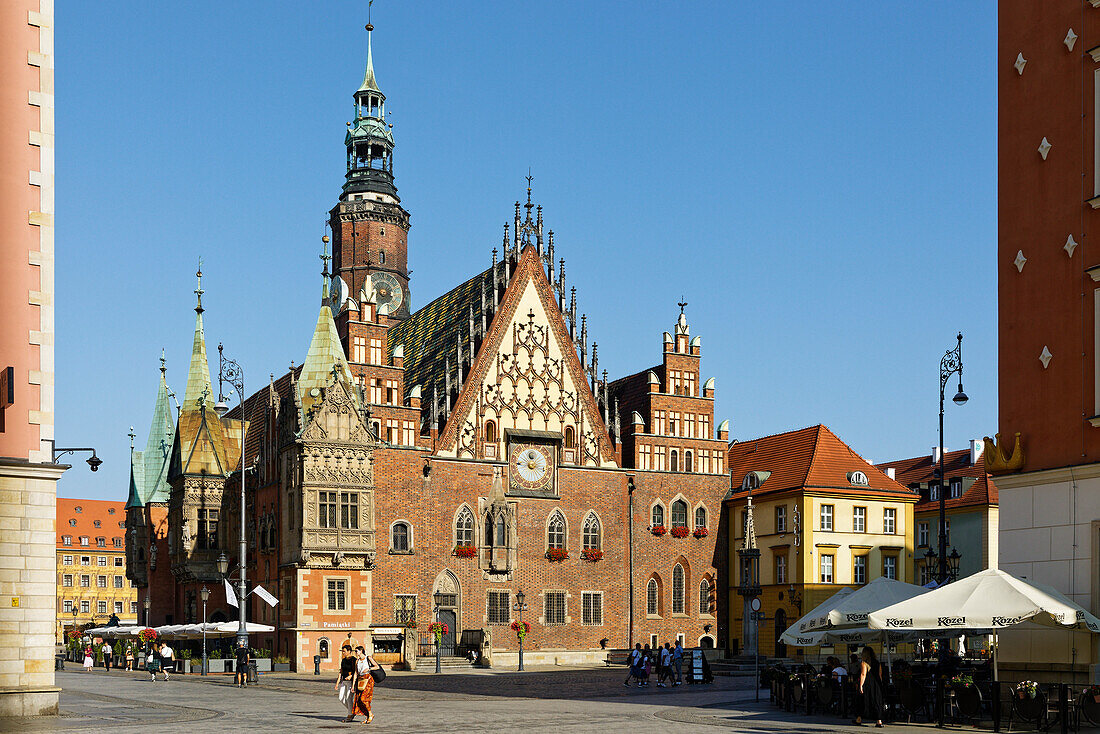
678	662
243	659
634	661
108	653
664	666
167	659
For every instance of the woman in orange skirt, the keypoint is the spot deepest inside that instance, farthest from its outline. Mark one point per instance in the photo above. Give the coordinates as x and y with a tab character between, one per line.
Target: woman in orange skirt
364	685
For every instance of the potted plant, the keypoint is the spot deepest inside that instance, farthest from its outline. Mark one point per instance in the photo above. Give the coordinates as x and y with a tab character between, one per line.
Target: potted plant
185	661
521	629
557	554
465	551
680	531
591	554
262	658
658	530
438	629
700	533
214	661
280	664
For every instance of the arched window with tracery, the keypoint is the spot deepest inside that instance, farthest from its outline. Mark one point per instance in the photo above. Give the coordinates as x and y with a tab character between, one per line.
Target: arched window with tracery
591	533
679	514
700	517
464	528
704	597
677	589
555	531
652	598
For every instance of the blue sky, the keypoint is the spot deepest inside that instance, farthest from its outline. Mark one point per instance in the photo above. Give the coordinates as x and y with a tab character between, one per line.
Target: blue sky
817	180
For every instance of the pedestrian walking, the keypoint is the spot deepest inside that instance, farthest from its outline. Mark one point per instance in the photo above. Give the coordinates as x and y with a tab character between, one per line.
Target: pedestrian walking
89	659
678	662
108	654
364	684
870	688
152	664
633	661
241	670
664	669
644	668
345	683
129	656
167	659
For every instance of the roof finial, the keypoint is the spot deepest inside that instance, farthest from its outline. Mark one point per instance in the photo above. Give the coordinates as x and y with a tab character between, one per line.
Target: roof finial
131	434
369	82
199	291
325	257
163	369
528	205
682	305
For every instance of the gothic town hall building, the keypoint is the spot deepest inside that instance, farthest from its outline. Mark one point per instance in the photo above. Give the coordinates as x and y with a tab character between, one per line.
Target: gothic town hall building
432	463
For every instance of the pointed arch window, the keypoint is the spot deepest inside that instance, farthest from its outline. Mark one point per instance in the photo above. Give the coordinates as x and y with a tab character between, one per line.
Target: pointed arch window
652	598
591	533
700	517
704	597
489	530
679	514
464	528
657	515
570	438
555	531
381	257
677	589
490	432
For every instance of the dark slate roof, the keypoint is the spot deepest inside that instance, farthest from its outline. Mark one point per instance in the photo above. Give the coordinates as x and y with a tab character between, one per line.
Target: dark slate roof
632	391
920	470
431	334
256	413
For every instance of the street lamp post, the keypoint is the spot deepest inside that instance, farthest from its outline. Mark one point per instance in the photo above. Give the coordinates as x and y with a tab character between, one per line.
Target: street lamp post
949	365
205	597
438	637
147	605
231	372
520	606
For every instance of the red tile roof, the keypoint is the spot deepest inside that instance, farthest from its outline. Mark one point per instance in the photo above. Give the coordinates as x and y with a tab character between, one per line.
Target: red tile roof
76	523
812	457
919	469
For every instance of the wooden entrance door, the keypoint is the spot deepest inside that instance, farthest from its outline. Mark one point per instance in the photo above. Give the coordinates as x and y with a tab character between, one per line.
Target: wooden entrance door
448	617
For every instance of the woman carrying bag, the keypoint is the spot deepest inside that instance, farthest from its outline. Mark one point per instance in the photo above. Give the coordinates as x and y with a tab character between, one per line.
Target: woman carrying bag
368	672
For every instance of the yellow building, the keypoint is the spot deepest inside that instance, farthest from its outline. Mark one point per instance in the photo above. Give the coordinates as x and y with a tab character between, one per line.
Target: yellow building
824	518
91	565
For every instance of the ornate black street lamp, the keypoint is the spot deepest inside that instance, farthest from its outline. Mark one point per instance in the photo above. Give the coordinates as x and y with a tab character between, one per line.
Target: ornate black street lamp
205	598
231	372
520	606
949	365
438	596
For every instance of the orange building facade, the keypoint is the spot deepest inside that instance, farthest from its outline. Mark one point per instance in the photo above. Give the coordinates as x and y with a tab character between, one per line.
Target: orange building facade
28	478
1047	456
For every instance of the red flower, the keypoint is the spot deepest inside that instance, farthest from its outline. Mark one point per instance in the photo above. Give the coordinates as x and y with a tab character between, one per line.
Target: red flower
680	531
465	551
147	635
700	533
438	628
591	554
657	530
557	554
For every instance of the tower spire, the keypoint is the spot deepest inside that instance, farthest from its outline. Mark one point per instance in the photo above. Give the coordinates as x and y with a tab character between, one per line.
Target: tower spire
198	290
370	84
325	257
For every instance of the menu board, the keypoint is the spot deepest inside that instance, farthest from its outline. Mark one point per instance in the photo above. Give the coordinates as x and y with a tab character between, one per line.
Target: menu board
695	666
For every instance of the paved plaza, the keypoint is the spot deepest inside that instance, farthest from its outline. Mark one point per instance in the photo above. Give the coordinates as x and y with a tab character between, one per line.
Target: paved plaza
562	700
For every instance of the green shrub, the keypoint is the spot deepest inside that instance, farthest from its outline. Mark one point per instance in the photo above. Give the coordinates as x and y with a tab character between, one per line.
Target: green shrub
215	654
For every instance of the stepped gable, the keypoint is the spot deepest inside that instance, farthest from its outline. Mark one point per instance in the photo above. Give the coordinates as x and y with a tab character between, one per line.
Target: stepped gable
430	334
632	390
812	457
919	470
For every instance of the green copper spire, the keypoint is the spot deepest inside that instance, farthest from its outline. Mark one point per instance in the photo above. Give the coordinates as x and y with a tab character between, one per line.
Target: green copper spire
199	390
136	471
324	359
159	445
369	83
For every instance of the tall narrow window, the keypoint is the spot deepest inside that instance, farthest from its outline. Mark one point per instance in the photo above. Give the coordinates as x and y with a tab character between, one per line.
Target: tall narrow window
687	461
781	569
570	438
679	514
657	515
326	505
781	518
555	531
827	569
591	533
859	519
337	596
499	608
859	570
651	598
554	611
591	607
400	537
501	535
673	463
704	597
349	510
890	567
404	608
700	518
889	521
826	517
464	528
677	589
490	432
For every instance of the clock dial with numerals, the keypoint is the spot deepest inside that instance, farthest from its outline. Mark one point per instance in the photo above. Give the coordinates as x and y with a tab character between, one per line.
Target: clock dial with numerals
388	294
531	466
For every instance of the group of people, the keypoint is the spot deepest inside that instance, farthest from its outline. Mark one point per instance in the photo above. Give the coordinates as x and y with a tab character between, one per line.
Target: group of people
160	659
355	686
128	657
668	660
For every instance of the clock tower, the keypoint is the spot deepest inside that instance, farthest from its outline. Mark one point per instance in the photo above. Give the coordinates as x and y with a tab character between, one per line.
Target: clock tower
369	226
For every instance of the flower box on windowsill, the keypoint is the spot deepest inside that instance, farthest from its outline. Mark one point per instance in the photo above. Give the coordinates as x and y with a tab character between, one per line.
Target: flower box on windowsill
658	530
591	554
557	554
700	533
680	531
465	551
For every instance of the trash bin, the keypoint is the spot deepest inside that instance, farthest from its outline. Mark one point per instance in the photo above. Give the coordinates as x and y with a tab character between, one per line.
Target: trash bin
316	664
59	661
253	676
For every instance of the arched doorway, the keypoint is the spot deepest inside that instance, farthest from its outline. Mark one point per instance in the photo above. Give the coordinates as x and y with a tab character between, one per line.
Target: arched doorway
780	628
447	603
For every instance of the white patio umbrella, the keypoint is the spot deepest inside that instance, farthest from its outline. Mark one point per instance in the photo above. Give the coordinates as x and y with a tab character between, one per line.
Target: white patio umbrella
802	625
850	611
990	599
230	628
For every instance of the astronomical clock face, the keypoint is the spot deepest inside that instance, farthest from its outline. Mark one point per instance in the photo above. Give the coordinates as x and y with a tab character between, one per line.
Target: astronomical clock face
387	293
531	468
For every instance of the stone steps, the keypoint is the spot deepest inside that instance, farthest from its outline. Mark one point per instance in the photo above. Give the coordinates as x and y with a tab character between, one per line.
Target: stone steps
427	662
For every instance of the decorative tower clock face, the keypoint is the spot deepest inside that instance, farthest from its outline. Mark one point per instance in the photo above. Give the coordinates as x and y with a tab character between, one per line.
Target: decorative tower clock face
387	293
532	467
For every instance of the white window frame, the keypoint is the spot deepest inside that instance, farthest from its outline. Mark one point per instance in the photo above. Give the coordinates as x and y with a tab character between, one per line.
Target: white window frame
825	515
827	567
593	599
922	534
859	563
889	521
859	519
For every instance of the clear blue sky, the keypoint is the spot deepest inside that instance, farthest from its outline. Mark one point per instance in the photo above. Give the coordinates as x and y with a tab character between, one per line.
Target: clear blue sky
816	179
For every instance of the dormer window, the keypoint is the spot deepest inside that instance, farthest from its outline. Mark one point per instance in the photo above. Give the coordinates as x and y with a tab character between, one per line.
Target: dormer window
857	478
